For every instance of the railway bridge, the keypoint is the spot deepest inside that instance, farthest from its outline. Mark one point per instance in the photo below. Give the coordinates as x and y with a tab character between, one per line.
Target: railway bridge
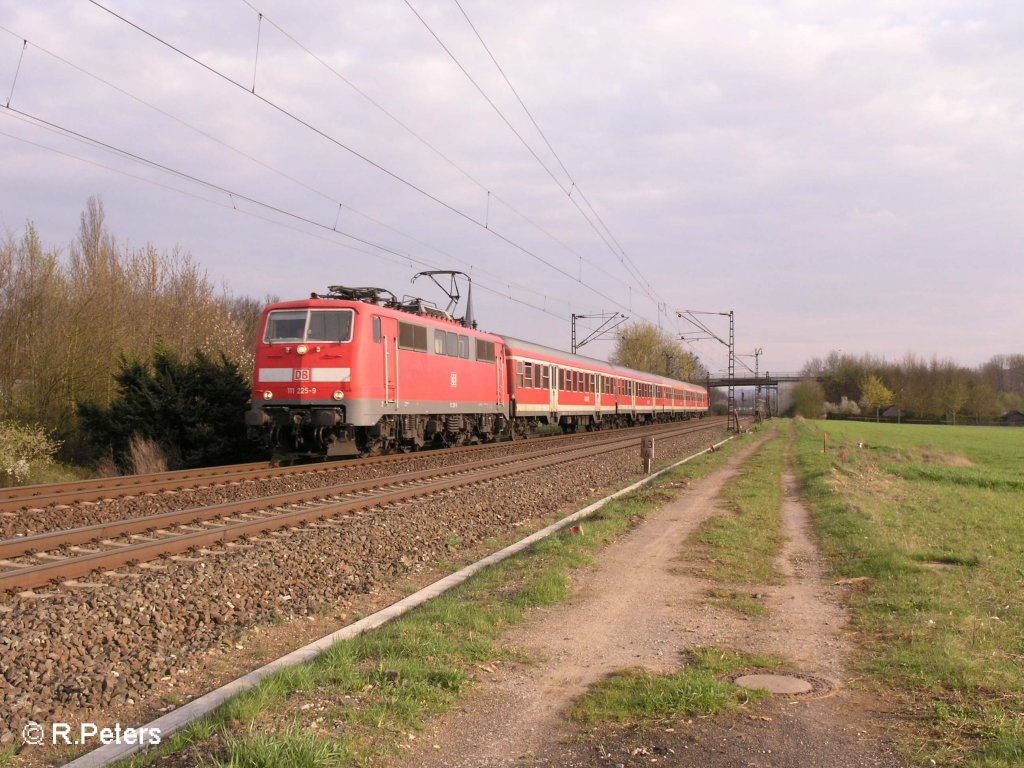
765	379
765	384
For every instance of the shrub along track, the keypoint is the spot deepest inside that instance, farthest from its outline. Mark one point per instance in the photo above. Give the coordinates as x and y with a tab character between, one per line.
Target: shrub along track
99	651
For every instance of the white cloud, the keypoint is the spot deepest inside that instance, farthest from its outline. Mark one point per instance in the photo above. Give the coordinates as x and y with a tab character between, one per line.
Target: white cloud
799	162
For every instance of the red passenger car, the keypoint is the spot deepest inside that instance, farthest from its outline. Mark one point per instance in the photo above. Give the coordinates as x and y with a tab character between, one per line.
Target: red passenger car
553	387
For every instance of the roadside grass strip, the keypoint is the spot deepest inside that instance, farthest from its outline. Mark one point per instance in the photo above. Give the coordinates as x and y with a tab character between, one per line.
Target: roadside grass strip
928	519
741	547
637	696
368	696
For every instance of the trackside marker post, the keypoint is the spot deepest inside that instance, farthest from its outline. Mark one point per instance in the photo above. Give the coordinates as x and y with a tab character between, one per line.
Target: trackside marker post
646	454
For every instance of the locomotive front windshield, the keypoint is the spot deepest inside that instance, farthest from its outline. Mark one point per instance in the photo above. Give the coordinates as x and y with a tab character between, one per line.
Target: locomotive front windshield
295	325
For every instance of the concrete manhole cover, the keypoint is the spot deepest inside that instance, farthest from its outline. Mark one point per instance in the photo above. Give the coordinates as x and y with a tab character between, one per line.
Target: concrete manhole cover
793	684
775	683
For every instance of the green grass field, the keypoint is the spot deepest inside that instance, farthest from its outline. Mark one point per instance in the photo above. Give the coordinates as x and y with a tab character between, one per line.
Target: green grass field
932	517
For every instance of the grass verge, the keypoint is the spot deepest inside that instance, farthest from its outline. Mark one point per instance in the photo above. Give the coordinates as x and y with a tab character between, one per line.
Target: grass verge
929	518
741	548
364	697
636	696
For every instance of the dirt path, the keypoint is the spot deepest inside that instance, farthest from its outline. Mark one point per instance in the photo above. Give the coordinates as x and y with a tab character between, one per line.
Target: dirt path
643	606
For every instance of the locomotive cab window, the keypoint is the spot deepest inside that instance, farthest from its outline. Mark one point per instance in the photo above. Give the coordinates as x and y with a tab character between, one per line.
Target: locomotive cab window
293	325
329	325
285	325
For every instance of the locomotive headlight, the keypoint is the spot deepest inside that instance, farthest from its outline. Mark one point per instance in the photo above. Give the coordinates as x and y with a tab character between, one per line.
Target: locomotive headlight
339	395
268	395
302	349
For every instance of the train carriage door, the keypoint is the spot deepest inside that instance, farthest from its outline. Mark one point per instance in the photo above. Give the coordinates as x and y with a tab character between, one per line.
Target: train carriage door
501	372
549	381
557	385
388	337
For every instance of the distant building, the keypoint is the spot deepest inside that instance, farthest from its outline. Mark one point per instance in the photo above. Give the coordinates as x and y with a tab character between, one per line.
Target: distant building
1013	419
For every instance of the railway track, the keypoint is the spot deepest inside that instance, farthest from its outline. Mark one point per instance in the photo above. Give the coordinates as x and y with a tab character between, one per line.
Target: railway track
26	496
103	489
32	561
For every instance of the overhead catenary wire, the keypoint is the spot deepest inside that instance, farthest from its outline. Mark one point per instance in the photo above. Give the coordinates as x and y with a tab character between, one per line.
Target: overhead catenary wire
491	194
256	58
637	274
283	174
508	123
340	144
17	71
394	257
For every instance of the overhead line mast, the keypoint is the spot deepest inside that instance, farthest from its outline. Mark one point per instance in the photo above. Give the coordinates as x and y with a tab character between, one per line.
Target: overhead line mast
691	316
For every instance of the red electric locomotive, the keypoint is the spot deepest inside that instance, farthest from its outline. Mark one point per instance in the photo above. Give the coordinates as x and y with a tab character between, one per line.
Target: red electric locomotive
357	371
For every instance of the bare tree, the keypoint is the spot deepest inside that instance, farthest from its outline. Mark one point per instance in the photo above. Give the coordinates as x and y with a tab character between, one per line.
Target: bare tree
68	319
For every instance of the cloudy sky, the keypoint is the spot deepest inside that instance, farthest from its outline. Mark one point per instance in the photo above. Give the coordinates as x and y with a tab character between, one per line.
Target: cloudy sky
843	175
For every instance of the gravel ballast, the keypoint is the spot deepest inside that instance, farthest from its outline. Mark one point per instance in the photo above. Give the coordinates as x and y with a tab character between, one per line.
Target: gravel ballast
97	652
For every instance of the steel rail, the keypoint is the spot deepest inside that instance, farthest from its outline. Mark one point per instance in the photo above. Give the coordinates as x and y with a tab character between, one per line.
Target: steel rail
124	483
42	542
71	567
17	499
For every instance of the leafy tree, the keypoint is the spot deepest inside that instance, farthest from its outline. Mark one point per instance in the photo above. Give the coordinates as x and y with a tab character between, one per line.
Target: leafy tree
876	394
840	375
808	399
191	409
645	347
